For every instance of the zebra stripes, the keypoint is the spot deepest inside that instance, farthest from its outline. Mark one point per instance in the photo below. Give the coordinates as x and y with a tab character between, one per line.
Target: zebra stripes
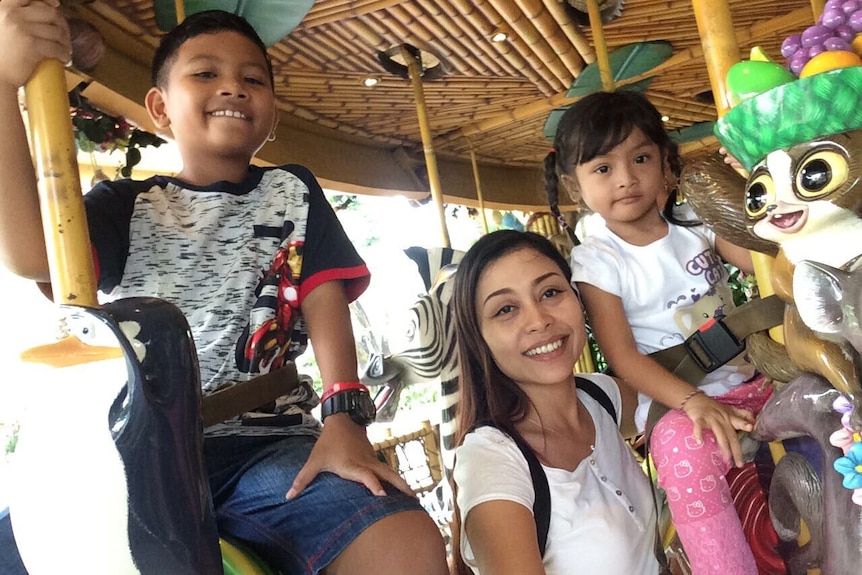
431	354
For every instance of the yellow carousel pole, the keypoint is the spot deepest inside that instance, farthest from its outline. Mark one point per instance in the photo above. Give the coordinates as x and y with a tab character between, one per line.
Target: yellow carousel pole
721	51
427	143
67	240
586	364
817	8
605	72
479	195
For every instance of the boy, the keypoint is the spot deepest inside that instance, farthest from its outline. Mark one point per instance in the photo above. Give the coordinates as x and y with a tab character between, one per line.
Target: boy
202	240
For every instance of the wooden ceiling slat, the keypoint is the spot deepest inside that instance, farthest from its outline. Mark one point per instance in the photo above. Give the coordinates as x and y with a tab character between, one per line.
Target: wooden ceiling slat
542	54
326	15
571	31
315	50
445	47
565	50
467	36
353	55
526	61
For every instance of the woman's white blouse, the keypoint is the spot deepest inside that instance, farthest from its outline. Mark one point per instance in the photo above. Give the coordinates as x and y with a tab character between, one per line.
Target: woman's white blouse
602	513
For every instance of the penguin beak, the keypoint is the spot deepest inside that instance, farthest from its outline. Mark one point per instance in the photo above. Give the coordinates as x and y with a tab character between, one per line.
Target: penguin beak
70	351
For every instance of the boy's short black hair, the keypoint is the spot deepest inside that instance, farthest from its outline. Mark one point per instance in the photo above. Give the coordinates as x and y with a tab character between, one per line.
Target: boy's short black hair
206	22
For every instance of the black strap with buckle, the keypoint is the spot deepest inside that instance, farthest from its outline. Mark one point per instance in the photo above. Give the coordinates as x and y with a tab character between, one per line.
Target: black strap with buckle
714	344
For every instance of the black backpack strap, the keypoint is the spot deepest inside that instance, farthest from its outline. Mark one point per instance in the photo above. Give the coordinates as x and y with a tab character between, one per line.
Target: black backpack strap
541	490
593	390
542	499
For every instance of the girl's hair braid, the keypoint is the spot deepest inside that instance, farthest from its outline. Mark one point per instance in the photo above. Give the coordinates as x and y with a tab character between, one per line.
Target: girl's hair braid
552	189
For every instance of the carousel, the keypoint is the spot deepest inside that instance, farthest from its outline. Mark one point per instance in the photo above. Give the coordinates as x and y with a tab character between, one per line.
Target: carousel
456	102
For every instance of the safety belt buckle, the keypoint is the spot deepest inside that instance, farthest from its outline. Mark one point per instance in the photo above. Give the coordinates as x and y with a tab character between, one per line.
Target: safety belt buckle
713	345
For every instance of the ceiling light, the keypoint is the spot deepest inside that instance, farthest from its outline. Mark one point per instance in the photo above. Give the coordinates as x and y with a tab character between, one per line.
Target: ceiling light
499	37
665	118
371	81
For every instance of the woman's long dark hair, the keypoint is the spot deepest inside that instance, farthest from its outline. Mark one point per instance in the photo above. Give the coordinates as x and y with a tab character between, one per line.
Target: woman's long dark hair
486	394
595	125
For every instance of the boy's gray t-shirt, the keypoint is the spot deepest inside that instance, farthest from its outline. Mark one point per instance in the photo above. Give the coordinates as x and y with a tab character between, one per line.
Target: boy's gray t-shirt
210	251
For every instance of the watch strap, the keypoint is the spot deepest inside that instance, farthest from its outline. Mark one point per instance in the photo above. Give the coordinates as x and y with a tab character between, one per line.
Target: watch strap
340	386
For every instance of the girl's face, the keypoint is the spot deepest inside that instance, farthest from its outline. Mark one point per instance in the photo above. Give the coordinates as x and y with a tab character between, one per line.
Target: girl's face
530	318
625	184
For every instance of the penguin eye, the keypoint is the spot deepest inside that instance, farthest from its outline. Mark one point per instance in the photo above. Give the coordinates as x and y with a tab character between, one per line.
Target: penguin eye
758	195
820	174
84	328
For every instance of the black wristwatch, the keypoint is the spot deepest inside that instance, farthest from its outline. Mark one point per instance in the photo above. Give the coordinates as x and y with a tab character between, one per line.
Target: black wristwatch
351	398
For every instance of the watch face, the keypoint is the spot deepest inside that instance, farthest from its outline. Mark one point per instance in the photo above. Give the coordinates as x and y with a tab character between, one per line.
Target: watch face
365	411
355	402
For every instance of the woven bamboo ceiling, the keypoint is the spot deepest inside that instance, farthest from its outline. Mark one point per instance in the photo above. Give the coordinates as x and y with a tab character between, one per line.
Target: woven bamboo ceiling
493	97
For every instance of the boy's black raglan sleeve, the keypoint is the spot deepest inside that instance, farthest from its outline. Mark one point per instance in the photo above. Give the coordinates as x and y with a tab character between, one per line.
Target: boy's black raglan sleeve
328	253
109	208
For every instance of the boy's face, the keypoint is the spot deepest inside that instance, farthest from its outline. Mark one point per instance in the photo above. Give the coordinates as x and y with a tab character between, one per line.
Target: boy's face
218	100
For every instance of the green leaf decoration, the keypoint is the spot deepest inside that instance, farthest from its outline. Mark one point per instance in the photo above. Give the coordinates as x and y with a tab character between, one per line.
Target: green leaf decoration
691	133
626	62
97	131
272	19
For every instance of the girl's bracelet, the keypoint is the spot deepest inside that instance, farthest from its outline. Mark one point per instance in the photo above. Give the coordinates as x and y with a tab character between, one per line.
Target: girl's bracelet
687	397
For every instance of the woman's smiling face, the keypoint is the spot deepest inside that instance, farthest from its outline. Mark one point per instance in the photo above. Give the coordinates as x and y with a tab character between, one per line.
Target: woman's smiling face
530	318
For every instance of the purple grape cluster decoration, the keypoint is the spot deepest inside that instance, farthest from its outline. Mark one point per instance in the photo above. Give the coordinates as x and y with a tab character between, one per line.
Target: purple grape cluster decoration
836	28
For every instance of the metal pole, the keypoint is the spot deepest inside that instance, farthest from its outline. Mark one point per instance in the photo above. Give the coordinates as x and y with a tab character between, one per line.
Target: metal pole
67	239
602	57
427	143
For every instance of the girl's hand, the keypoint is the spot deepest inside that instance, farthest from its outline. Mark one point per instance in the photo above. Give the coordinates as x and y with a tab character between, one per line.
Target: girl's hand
723	420
732	162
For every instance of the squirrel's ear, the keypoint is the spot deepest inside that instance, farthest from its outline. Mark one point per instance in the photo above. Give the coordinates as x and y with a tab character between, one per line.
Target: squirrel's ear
156	108
568	183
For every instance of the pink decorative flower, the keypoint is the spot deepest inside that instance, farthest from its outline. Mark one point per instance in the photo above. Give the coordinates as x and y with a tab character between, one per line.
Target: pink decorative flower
842	438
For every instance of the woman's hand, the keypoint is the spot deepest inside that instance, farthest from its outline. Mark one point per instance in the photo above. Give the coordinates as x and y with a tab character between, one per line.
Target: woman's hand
723	420
343	449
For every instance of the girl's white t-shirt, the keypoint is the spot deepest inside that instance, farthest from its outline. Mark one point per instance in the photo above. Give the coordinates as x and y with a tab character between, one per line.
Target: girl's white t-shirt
602	513
668	289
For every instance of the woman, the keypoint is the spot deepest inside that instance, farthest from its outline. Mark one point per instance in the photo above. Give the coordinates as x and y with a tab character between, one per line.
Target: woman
520	330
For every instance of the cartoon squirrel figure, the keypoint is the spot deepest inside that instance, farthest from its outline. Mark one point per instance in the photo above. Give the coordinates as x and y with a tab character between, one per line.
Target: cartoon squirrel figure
802	145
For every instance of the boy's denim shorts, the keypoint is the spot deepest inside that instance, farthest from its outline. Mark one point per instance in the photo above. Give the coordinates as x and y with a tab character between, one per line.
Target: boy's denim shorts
250	476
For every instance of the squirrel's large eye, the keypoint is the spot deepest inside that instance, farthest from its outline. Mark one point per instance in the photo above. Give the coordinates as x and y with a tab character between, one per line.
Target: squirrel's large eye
820	174
758	195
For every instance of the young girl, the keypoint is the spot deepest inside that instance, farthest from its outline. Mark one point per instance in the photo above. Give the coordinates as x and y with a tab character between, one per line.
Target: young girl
520	330
648	281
